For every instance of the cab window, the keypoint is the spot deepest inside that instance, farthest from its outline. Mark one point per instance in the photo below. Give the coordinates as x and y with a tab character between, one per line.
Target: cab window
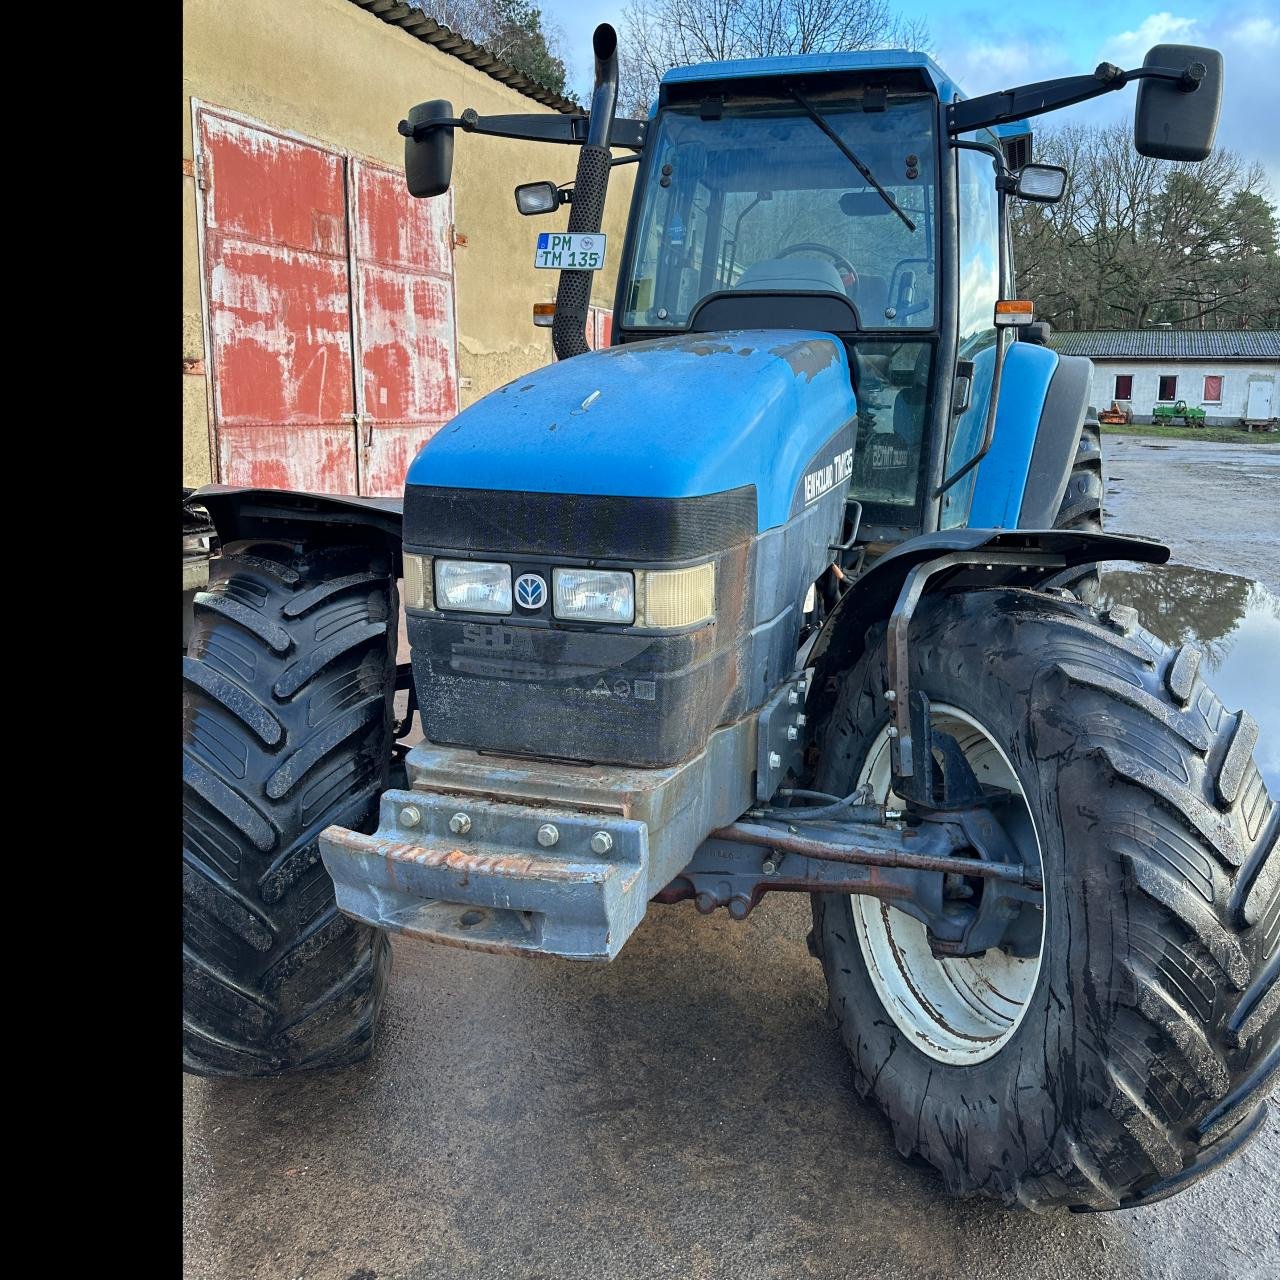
978	256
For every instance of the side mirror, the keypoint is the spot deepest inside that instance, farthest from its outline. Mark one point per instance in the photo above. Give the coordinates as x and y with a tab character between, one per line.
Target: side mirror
1046	183
428	152
1176	120
539	197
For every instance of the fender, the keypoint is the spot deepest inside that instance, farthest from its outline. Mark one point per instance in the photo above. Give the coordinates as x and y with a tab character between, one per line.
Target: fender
871	599
1043	401
238	513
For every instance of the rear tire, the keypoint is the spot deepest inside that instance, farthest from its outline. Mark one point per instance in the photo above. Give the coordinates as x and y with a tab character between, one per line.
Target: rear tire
1154	1020
287	726
1081	506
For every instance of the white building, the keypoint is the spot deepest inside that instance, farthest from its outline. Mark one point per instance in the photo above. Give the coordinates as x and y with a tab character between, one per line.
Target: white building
1232	374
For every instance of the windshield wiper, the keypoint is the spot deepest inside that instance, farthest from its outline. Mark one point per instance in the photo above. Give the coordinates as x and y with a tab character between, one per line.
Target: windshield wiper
857	164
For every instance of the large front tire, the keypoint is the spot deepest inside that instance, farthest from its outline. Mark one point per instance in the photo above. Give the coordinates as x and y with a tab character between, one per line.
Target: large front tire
1153	1019
287	728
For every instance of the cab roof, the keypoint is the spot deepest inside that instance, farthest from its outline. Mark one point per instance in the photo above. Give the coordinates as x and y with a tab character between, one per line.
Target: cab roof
809	64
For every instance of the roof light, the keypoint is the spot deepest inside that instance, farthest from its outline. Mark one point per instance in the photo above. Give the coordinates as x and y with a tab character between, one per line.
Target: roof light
544	314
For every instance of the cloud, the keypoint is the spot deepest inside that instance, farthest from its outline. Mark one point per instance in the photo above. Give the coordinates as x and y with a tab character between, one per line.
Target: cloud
1005	60
1128	48
1259	32
994	60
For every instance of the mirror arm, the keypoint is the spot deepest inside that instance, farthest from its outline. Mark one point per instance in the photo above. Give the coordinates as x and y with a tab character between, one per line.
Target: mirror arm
1050	95
571	130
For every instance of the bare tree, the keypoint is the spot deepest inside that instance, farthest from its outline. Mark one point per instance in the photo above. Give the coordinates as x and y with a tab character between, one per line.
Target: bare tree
1139	241
513	30
660	34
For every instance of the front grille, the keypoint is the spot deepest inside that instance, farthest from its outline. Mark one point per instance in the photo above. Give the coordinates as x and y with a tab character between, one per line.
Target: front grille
581	526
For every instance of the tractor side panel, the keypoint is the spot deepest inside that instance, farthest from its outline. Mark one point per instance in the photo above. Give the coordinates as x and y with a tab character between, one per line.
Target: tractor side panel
1002	475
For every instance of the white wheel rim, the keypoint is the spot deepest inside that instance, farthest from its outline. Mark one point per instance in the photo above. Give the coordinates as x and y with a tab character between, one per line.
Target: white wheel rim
956	1011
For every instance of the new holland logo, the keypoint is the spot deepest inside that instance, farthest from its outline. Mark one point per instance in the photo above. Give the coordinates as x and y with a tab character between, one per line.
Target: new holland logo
531	591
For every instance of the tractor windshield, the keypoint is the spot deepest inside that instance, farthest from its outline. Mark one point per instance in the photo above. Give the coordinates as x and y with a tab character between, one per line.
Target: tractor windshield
759	198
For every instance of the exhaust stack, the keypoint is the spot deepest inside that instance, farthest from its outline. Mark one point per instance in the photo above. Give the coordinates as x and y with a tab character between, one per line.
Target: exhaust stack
586	213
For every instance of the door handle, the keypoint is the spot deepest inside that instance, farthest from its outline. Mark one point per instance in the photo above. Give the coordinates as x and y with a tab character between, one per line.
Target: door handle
365	420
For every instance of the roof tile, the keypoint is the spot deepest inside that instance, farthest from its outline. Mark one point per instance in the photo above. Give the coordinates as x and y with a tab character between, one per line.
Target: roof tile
411	17
1169	344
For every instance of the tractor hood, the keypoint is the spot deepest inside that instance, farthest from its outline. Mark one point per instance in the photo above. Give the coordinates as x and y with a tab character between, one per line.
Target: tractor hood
679	417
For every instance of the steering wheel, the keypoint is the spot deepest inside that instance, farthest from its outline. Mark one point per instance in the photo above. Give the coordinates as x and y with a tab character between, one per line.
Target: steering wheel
848	272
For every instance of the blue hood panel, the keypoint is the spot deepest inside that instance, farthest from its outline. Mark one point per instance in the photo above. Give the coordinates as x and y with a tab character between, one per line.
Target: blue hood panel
678	417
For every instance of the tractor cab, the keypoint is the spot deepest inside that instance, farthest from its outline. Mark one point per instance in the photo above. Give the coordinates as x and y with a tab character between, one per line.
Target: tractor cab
812	200
827	193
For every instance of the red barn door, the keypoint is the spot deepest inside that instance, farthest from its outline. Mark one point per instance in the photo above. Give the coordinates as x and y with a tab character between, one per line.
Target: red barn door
329	299
405	331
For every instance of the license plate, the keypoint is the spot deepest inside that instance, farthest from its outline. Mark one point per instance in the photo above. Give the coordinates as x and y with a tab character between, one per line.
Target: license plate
564	252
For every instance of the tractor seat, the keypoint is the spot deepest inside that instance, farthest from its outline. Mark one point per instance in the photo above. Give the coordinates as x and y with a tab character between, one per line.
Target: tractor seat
871	297
908	405
790	275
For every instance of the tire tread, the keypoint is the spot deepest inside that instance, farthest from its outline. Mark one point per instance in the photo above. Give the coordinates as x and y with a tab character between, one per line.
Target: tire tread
1193	988
287	724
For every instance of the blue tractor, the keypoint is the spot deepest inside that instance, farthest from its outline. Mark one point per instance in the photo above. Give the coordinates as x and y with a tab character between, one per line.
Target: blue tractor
790	588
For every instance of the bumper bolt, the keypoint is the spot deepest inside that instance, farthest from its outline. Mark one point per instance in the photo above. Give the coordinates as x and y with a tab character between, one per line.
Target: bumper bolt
601	842
410	816
775	760
460	824
547	835
793	697
792	733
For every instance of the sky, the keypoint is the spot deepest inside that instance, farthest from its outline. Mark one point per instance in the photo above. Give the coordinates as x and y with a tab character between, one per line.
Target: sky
985	49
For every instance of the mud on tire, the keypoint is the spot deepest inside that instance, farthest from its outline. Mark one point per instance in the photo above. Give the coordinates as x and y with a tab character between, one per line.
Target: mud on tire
1154	1023
288	683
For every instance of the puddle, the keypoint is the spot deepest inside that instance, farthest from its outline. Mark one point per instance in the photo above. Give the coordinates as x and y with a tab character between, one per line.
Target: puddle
1237	624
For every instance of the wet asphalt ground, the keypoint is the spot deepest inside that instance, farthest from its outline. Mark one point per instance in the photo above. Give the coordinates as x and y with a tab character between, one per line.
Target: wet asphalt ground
1217	505
687	1110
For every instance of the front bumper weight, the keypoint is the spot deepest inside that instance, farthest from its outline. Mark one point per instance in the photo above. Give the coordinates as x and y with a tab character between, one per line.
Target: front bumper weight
493	887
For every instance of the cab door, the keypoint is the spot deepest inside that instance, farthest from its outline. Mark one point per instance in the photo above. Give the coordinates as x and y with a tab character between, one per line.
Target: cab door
979	344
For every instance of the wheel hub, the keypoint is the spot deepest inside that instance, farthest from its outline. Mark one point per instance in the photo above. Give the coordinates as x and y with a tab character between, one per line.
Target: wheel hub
954	1009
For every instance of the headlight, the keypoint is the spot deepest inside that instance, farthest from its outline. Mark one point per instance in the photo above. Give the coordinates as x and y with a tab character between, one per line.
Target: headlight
677	597
593	595
473	585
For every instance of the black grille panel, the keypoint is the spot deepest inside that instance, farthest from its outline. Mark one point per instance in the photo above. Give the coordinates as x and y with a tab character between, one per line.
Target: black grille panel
583	526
